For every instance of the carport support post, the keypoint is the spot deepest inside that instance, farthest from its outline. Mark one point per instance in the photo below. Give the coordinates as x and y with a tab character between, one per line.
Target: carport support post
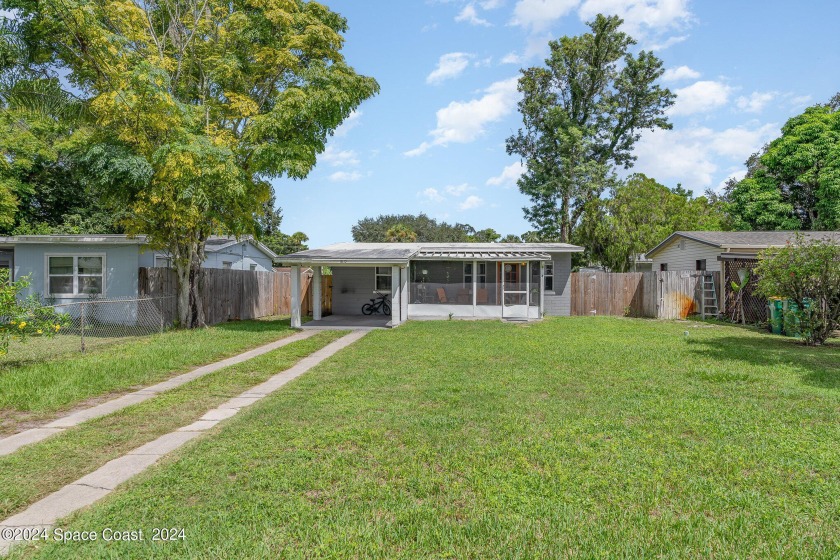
404	294
396	299
542	288
316	293
295	289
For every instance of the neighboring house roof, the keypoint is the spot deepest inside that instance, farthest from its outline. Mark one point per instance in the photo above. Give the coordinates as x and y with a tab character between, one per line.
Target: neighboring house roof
401	253
757	240
74	239
217	243
213	244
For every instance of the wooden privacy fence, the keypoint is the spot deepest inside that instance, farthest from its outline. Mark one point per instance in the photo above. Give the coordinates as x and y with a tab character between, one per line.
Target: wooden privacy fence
229	295
662	295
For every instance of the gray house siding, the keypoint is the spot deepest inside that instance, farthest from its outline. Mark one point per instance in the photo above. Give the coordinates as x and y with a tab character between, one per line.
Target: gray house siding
121	263
233	254
241	258
560	302
683	254
352	288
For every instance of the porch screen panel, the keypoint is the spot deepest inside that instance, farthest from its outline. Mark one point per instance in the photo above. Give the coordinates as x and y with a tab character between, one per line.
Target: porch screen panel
441	282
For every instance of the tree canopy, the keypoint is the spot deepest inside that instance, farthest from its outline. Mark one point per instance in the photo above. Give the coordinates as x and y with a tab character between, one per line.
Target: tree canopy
192	106
582	114
638	214
409	227
794	183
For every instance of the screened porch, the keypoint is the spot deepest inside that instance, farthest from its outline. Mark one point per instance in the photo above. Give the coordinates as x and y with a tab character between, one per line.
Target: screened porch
476	288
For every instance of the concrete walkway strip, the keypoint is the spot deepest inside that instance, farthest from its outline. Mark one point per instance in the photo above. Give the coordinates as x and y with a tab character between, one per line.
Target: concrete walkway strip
12	443
94	486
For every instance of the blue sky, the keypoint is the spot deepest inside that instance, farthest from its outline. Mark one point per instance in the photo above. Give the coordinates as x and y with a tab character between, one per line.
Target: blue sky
433	140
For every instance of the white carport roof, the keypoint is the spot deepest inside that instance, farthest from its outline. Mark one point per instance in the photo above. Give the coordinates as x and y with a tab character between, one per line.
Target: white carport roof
401	253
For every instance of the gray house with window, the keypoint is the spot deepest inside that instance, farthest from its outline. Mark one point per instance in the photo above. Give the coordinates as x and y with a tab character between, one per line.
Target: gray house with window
517	281
69	268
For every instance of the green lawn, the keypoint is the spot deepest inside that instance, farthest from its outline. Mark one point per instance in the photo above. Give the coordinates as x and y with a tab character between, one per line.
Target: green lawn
573	437
30	391
33	472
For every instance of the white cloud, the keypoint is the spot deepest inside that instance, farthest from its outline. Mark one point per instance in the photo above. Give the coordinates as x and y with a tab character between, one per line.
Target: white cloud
509	175
345	176
458	190
700	97
680	73
800	101
491	4
339	158
431	194
511	58
470	15
736	174
693	156
539	15
756	102
471	202
450	65
640	16
349	124
654	45
464	121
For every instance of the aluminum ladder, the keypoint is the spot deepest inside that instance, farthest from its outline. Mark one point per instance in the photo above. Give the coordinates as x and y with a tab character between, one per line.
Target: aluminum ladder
709	299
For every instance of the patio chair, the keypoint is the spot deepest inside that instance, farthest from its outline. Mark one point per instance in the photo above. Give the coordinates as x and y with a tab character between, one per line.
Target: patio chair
481	296
442	295
464	296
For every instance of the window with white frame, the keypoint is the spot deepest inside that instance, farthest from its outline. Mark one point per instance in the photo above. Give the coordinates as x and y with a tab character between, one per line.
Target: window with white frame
549	277
163	261
70	275
253	268
481	274
227	265
382	279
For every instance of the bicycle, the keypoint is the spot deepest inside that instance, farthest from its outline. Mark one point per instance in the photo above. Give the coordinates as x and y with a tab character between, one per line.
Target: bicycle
376	305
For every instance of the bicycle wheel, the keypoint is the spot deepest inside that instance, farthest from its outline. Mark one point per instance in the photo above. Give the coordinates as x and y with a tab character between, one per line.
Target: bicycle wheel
368	309
386	309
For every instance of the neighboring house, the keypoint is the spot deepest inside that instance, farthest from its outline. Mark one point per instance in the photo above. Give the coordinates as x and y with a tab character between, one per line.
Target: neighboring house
69	268
640	263
223	252
706	250
475	280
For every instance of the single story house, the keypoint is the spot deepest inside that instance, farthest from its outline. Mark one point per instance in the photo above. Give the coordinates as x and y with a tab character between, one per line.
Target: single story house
439	280
68	268
707	250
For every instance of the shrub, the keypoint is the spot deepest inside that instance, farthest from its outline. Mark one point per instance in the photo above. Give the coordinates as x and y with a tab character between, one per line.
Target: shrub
808	273
21	318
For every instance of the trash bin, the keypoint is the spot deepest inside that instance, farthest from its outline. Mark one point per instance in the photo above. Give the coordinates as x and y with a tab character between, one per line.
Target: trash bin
793	317
776	315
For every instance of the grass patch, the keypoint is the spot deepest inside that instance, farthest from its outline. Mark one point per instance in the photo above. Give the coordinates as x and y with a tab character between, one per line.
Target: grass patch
573	437
33	391
37	470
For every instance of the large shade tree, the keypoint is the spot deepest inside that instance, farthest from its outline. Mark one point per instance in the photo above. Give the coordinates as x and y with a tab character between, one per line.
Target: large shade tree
582	114
794	183
636	216
194	105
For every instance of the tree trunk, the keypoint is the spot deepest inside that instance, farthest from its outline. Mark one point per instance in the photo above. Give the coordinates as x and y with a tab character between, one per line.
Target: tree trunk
188	259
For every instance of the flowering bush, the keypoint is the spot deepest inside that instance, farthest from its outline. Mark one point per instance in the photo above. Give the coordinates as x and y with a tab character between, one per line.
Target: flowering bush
807	272
21	318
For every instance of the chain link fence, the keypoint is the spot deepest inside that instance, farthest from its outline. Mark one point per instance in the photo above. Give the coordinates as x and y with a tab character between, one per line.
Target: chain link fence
94	323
